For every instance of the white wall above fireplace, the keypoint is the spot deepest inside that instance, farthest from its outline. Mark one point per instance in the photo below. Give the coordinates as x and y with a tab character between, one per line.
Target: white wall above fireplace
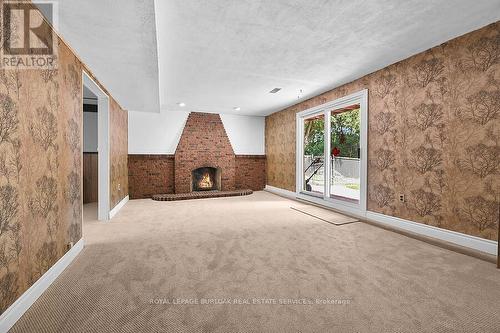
159	133
246	133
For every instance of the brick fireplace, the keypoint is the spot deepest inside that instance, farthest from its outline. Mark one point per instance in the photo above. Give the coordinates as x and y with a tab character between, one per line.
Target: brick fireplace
206	179
203	144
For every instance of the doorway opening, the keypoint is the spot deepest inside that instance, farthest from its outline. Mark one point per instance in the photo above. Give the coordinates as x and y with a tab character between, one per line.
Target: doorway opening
96	168
90	155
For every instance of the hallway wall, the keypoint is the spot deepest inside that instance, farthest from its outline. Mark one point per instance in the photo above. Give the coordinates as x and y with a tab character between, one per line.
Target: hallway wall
118	134
41	143
40	171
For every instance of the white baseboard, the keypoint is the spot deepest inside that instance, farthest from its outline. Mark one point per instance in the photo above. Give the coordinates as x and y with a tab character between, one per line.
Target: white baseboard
24	302
281	192
472	242
339	207
457	238
117	208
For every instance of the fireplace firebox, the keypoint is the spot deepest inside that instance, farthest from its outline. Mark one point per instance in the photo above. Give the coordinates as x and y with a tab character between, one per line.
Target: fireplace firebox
206	179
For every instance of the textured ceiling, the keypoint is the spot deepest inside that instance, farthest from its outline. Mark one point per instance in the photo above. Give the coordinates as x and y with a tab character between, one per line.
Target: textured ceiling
117	40
221	54
215	55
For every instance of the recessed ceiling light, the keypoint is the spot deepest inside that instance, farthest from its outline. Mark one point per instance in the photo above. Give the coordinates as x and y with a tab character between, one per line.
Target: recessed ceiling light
275	90
236	108
299	96
181	104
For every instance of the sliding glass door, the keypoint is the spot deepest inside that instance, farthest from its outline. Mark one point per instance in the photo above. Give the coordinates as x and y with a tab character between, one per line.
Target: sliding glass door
331	152
345	153
314	155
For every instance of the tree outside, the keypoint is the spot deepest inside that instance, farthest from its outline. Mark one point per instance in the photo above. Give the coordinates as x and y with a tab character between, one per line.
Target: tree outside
345	134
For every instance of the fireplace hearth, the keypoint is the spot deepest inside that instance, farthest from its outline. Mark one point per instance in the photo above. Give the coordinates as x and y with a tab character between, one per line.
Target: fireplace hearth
205	179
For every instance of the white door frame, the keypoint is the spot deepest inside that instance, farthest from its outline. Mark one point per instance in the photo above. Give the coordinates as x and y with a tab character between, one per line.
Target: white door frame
102	147
359	209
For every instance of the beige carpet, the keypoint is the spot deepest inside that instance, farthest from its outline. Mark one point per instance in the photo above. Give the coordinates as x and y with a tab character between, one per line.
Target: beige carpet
257	249
324	214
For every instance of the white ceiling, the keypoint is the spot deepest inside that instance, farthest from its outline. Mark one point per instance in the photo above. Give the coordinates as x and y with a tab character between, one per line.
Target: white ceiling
117	40
224	53
218	54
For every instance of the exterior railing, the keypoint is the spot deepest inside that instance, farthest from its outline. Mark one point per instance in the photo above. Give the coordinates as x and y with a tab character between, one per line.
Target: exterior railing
346	166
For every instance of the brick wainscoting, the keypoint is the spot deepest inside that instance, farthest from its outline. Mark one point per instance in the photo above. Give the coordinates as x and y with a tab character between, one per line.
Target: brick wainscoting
149	175
154	174
203	143
251	172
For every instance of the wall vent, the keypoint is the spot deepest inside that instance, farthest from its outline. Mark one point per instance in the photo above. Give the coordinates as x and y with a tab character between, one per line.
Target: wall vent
275	90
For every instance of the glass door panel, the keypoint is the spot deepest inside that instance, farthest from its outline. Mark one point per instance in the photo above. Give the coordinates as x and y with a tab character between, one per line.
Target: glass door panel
314	155
345	153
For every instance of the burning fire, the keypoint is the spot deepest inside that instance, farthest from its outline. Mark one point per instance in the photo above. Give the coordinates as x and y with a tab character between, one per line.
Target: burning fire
205	181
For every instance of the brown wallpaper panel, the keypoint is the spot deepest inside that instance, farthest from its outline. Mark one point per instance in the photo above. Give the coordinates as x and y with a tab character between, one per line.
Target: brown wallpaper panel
434	135
90	177
41	119
40	171
118	127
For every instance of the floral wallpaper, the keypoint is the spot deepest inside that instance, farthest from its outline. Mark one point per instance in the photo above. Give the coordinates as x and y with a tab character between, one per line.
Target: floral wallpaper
280	148
434	136
41	119
40	171
118	153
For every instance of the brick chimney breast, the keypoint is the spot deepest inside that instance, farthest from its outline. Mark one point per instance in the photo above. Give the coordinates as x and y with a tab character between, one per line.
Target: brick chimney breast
204	143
